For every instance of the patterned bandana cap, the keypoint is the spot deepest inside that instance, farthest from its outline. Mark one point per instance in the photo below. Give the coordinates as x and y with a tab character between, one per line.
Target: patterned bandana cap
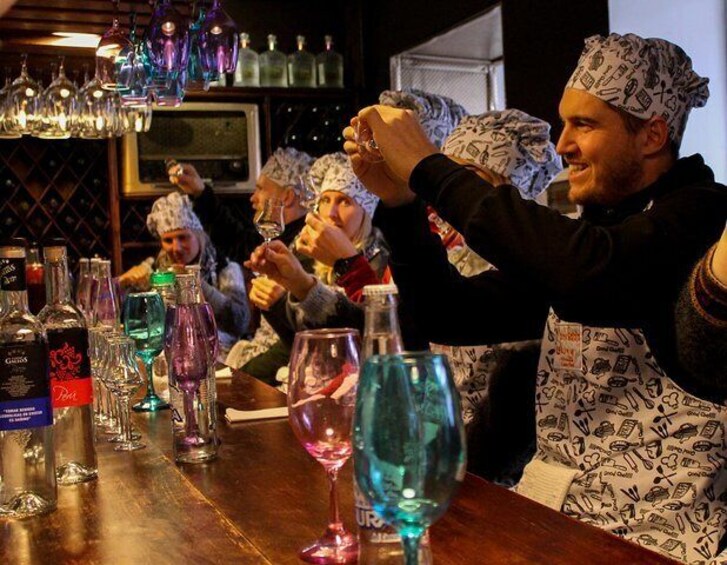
286	166
644	77
334	172
510	143
172	212
438	115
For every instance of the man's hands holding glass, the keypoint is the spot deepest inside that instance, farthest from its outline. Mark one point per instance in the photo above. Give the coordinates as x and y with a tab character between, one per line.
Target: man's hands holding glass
277	262
396	136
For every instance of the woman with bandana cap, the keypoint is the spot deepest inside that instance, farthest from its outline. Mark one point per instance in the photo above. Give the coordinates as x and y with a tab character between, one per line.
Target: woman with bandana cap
184	242
340	230
627	439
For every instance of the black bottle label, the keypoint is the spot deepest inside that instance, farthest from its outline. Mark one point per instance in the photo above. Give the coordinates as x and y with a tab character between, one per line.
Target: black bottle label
24	387
70	369
12	274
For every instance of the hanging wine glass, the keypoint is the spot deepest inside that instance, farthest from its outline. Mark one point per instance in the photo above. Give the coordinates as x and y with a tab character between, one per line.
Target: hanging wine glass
96	111
197	78
23	104
172	93
167	43
113	50
135	73
59	107
218	41
4	96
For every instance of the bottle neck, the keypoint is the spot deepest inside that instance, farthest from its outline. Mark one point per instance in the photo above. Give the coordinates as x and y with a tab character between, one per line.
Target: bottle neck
57	283
16	300
382	334
188	294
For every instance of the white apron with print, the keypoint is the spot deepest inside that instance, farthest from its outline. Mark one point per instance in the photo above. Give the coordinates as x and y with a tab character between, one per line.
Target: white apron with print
622	447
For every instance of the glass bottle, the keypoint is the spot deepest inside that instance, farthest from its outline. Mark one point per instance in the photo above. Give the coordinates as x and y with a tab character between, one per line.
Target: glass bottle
83	288
273	65
247	72
191	383
378	542
70	373
163	282
94	270
330	66
35	279
302	66
27	465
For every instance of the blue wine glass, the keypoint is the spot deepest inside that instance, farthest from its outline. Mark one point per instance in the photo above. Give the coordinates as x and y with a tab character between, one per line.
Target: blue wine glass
409	442
144	315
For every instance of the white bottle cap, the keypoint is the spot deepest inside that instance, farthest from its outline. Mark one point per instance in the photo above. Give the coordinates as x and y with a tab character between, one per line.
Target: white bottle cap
380	289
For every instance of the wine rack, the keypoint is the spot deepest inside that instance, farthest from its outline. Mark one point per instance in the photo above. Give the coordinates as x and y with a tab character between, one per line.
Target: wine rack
56	189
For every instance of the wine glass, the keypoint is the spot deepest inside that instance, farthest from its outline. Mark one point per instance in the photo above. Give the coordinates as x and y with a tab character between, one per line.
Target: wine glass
324	367
167	43
112	53
22	107
218	41
409	442
60	107
124	379
269	220
307	195
5	133
144	314
367	146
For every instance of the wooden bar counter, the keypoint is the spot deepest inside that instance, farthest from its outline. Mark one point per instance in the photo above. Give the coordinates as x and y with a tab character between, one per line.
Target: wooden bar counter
264	498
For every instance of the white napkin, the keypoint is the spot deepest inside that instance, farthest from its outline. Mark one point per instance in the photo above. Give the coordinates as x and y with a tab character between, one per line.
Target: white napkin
224	373
233	416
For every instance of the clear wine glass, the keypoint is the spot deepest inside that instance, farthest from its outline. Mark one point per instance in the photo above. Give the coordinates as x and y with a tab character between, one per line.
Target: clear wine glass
124	379
364	138
269	220
307	195
112	53
144	314
324	366
409	442
23	104
6	133
60	107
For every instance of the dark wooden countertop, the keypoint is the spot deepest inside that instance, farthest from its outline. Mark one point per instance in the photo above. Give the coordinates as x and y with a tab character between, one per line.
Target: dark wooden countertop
263	499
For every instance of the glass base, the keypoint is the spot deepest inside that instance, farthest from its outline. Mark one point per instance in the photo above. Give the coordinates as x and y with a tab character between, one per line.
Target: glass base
73	473
133	446
25	505
331	548
150	404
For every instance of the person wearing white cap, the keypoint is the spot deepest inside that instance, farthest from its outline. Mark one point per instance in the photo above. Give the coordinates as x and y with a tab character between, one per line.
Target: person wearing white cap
340	232
627	439
183	243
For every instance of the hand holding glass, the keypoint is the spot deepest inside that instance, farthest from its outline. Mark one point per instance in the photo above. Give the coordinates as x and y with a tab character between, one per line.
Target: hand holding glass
409	442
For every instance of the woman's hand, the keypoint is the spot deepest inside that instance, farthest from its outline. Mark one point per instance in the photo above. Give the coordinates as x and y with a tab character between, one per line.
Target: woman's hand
186	177
265	292
277	262
136	277
324	242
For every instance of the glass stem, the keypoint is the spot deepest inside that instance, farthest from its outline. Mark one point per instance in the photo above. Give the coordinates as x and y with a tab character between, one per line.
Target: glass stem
190	418
334	518
150	392
411	548
126	419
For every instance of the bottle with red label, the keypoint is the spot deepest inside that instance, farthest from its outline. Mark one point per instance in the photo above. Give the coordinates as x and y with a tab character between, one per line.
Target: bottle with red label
70	372
35	279
27	464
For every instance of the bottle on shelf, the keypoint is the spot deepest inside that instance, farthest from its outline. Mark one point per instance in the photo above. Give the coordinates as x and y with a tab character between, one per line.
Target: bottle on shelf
70	372
301	66
247	72
330	66
35	279
273	65
27	467
379	543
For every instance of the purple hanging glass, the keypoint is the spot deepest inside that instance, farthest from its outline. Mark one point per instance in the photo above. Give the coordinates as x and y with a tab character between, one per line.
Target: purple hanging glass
167	43
197	78
218	41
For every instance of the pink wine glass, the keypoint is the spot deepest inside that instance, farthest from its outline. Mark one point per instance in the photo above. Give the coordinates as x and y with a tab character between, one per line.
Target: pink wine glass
324	366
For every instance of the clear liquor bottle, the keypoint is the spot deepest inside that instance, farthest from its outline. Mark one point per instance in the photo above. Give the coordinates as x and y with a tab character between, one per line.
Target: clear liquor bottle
70	373
302	66
379	543
247	72
27	462
330	66
273	65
